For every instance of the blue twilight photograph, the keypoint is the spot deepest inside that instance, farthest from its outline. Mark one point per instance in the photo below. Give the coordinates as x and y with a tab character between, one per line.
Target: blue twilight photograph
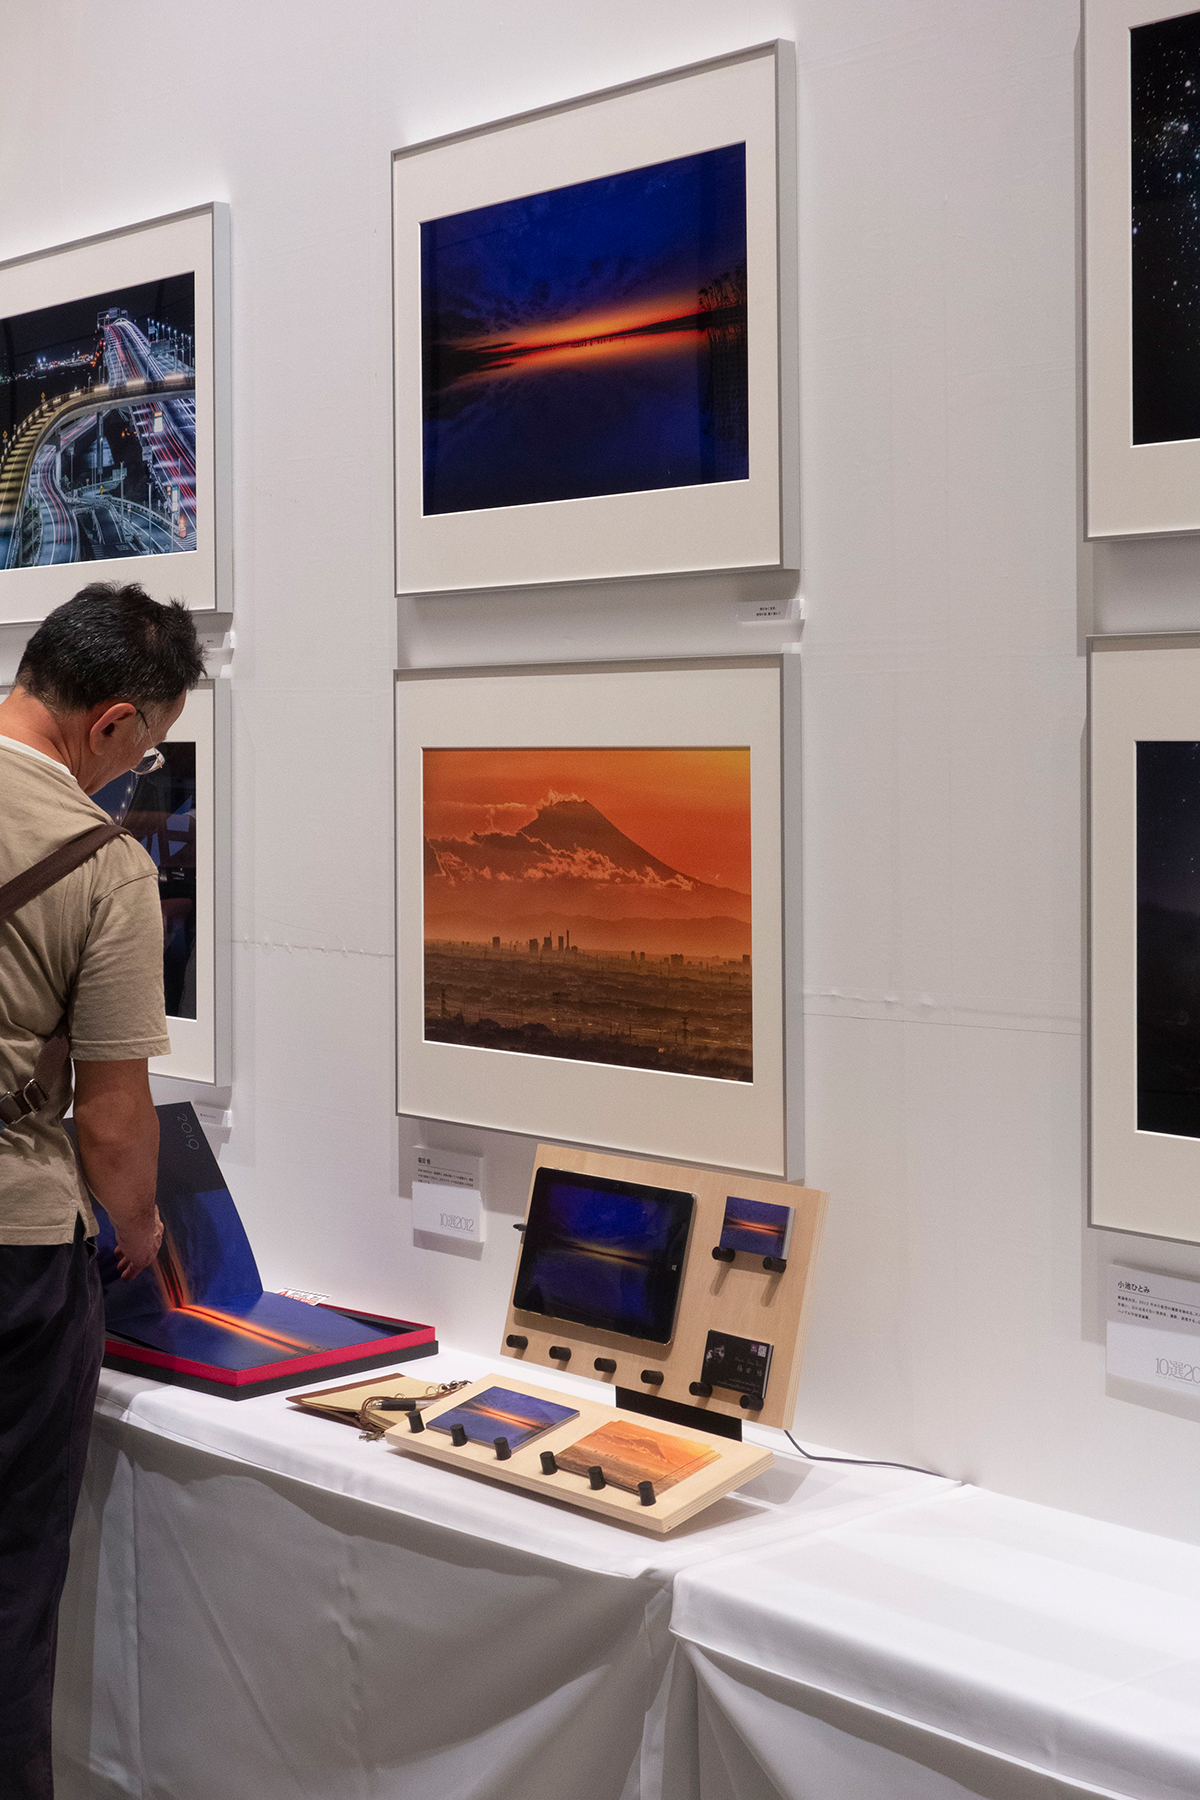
501	1412
757	1226
588	340
603	1253
203	1299
159	810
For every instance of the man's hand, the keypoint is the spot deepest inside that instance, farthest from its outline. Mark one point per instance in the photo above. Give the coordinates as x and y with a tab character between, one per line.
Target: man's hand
117	1129
137	1246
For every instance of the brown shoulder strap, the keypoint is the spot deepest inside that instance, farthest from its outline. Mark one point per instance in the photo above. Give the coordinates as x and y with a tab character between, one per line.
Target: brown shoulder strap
17	893
27	886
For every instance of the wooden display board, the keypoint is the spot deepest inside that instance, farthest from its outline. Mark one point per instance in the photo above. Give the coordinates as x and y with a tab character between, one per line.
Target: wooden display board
739	1297
730	1466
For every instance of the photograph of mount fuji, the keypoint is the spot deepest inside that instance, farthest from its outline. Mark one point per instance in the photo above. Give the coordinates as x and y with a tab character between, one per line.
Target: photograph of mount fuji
591	904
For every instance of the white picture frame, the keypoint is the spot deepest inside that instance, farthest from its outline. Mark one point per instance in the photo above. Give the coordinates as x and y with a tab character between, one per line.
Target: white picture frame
755	1125
1133	488
712	525
1141	692
195	241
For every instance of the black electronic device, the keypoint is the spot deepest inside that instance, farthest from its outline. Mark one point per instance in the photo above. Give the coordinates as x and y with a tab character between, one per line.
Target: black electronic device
738	1363
604	1253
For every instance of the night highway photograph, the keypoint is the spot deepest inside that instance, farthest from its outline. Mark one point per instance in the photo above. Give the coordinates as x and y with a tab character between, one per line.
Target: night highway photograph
98	427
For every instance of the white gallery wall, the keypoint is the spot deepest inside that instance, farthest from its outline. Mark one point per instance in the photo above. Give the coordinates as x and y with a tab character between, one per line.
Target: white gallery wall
958	1316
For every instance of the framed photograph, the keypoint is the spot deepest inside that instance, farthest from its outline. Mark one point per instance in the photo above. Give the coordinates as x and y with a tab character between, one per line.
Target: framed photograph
180	814
1142	121
595	336
593	866
1145	936
114	416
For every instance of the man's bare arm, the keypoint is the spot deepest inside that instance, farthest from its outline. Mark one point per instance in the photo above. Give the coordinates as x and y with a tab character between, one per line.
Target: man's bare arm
117	1129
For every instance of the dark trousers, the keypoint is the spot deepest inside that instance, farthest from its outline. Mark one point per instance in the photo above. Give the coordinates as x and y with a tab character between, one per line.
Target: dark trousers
51	1341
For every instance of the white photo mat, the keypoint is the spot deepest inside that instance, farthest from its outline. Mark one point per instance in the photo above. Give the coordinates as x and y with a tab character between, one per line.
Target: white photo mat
757	1125
750	524
194	242
1132	489
1140	691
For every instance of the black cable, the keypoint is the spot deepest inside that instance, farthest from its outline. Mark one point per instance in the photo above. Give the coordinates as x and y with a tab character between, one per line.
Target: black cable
862	1462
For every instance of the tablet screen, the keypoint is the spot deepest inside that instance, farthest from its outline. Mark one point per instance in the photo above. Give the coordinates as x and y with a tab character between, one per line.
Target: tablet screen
604	1253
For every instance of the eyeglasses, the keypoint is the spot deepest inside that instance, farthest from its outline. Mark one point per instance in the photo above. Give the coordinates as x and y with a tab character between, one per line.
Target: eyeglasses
153	759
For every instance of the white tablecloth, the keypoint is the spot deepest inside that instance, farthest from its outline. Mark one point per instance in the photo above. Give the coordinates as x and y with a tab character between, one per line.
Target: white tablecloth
971	1646
262	1606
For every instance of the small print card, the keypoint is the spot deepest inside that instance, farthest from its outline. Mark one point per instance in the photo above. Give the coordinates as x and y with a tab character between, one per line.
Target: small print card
500	1412
630	1453
757	1226
1154	1329
447	1194
737	1363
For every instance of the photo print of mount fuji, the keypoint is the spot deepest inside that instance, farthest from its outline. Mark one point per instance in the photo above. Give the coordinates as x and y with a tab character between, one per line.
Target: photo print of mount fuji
591	905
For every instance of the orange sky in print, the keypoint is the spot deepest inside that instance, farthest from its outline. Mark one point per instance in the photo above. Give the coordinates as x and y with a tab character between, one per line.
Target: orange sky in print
599	322
687	807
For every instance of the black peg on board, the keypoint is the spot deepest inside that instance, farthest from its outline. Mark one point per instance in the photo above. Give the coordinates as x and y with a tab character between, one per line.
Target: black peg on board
720	1254
701	1389
596	1477
415	1422
776	1264
549	1463
646	1493
503	1452
458	1436
559	1353
753	1402
606	1365
513	1342
652	1377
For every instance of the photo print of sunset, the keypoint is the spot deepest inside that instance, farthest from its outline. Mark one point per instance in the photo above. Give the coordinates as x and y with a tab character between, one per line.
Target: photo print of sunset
591	904
588	340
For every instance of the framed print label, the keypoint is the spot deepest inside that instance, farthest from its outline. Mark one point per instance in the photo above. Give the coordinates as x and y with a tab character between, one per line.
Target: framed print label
1153	1330
447	1194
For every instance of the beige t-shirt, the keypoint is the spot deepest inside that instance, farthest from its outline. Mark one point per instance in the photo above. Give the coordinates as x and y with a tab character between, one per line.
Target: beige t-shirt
93	939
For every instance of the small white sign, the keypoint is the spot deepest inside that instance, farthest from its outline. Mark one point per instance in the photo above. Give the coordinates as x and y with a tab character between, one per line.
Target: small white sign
1154	1329
447	1194
770	612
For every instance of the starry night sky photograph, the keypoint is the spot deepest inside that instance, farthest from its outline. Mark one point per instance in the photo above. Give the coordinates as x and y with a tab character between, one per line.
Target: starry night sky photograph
1165	169
1168	937
588	340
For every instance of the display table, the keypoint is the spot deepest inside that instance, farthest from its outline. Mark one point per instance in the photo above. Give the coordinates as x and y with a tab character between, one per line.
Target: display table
973	1646
262	1605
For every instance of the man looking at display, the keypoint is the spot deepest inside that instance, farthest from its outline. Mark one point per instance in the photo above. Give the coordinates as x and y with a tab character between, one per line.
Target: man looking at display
101	681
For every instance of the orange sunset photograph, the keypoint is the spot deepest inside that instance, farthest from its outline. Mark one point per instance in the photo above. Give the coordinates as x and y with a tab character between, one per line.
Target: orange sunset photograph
591	904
